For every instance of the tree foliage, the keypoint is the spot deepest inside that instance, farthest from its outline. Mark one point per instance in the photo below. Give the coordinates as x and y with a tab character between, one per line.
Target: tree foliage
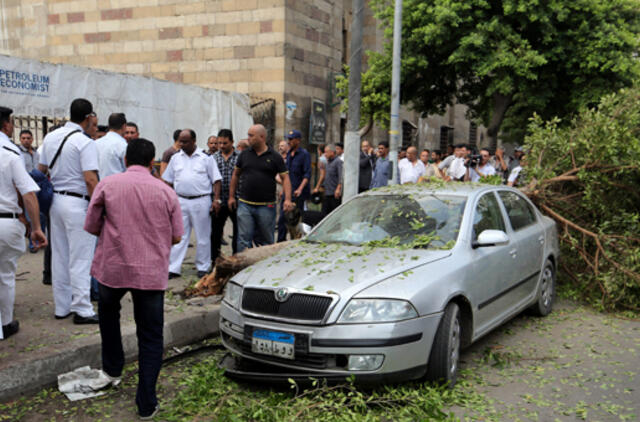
586	176
505	57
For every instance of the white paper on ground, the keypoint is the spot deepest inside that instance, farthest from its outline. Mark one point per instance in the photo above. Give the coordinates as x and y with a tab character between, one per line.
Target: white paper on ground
83	383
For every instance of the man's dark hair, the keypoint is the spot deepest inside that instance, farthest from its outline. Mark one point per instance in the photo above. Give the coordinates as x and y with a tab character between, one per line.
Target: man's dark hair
27	131
117	120
80	110
485	149
103	128
384	144
460	146
426	150
132	124
404	149
226	133
140	152
437	151
5	115
340	145
192	132
176	134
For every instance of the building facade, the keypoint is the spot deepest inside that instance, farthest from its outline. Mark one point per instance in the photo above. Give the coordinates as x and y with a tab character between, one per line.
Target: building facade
288	51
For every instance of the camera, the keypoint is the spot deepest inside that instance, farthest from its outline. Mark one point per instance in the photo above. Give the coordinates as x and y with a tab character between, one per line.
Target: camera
474	160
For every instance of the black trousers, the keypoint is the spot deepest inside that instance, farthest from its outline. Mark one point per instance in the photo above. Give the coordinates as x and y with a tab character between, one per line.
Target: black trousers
148	313
218	221
330	203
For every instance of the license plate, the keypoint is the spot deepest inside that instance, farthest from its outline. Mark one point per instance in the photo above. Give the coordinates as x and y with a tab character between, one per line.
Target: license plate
273	343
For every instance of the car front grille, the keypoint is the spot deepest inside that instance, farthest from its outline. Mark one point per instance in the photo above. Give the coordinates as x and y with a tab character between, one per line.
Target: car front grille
298	306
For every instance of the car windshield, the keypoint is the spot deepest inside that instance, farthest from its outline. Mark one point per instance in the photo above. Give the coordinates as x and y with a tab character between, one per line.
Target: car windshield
407	221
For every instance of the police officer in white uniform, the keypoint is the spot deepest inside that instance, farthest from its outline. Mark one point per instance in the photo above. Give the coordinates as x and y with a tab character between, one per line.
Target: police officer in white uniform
193	174
13	176
72	160
5	142
112	147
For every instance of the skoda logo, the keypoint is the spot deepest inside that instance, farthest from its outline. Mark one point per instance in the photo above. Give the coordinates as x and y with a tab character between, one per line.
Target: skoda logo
282	294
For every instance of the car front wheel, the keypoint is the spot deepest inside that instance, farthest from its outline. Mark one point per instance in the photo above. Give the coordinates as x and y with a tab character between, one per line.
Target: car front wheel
547	292
445	351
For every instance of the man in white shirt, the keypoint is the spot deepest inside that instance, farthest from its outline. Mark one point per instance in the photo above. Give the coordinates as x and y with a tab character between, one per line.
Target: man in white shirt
14	179
194	175
457	169
483	169
71	158
410	168
6	130
112	147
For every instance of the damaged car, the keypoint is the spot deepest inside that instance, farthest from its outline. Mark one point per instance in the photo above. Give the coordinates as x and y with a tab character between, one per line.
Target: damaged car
391	286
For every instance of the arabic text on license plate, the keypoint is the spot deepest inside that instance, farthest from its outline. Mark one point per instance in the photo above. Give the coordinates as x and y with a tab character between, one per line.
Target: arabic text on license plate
273	343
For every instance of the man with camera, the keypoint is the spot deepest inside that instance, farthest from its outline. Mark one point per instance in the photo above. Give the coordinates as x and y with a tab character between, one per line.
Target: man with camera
478	166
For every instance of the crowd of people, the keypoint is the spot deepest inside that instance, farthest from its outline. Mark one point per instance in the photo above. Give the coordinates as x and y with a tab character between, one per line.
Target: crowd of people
118	224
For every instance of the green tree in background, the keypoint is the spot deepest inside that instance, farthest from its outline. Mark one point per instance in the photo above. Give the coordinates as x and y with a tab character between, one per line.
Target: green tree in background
505	59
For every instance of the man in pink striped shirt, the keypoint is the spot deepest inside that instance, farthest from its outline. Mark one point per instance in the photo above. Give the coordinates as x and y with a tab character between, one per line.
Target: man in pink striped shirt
137	218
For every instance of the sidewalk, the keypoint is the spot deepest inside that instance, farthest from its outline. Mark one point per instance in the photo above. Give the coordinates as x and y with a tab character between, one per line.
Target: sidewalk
45	347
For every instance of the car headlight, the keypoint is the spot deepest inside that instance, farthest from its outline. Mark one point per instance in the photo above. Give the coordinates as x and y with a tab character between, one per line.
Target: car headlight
233	295
377	310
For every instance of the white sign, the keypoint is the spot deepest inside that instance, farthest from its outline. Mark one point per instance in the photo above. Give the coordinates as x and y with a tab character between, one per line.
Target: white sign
31	87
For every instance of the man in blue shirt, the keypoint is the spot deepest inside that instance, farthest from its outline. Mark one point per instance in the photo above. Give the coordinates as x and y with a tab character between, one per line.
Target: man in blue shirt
299	166
383	170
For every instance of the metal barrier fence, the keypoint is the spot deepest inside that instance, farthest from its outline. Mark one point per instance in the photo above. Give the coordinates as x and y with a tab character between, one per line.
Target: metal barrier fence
38	125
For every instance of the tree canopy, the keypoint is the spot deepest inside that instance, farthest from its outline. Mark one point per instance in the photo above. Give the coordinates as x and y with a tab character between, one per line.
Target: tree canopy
505	57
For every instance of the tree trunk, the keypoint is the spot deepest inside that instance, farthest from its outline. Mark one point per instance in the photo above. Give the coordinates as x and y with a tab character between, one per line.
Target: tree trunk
228	266
501	104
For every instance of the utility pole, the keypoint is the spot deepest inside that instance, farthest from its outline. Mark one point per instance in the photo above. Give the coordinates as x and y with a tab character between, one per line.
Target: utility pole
394	129
352	136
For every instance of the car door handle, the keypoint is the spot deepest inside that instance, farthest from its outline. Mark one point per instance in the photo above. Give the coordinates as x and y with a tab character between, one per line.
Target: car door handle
513	252
541	240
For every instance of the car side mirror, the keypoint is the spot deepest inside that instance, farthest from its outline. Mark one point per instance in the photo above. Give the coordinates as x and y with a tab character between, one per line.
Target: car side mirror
490	238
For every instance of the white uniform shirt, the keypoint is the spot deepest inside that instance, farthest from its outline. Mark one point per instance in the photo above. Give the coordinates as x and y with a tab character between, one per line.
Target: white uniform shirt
409	172
487	170
6	143
192	175
78	155
111	150
13	176
457	169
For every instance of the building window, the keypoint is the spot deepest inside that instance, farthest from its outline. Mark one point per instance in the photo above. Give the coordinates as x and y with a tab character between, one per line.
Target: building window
446	137
473	134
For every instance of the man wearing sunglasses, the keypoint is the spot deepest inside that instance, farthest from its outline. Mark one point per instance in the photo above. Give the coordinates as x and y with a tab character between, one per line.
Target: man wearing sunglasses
71	158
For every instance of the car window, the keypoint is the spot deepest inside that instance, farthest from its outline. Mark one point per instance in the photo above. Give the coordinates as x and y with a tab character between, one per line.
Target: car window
429	221
520	212
487	215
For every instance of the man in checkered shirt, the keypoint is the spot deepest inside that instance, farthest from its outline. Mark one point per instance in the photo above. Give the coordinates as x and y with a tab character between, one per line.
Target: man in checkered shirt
225	157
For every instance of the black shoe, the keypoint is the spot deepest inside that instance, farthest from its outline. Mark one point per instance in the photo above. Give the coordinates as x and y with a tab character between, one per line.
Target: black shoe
173	275
46	281
202	274
10	329
223	242
79	320
63	316
94	297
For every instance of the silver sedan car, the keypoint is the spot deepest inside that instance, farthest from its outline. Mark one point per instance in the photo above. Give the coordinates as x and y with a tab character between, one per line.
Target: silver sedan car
391	285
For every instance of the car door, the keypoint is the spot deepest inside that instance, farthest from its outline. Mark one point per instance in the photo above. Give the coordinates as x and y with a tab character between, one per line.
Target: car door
528	237
491	265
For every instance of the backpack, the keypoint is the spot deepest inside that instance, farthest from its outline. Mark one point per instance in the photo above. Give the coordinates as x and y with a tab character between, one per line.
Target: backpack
45	195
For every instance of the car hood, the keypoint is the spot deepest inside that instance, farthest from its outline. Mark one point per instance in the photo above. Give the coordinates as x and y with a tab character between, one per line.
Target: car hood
334	268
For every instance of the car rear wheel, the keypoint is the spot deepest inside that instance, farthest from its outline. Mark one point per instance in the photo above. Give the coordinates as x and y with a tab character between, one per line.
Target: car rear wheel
445	351
547	293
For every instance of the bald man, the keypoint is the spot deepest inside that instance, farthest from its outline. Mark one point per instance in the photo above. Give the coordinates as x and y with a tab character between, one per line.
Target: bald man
255	172
410	168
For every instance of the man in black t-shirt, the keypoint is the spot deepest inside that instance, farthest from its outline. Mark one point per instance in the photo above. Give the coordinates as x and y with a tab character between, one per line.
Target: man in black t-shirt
255	174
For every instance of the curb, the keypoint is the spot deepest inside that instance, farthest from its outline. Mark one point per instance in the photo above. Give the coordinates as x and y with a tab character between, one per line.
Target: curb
179	330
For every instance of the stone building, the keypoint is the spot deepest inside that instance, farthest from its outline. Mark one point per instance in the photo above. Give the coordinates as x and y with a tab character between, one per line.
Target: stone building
281	52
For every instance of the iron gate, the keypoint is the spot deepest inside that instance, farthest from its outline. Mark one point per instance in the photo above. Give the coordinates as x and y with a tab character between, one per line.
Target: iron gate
263	112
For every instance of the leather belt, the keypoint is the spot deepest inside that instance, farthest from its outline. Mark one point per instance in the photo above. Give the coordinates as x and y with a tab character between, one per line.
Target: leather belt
193	197
8	215
77	195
